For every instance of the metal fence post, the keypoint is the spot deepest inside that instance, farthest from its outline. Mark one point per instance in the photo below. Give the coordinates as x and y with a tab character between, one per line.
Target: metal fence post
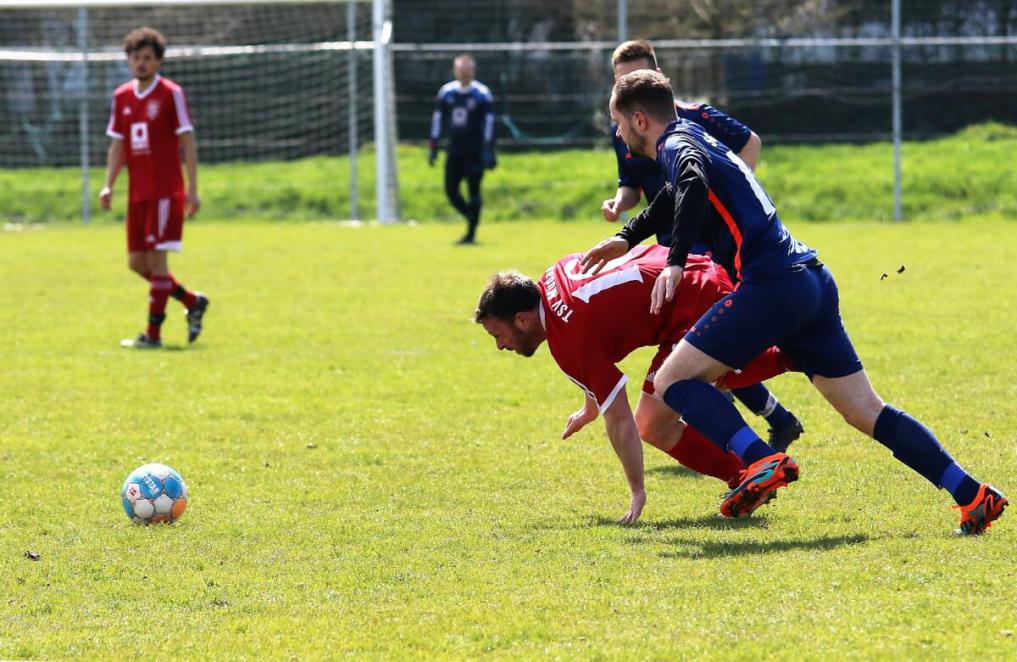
351	100
897	121
623	20
86	198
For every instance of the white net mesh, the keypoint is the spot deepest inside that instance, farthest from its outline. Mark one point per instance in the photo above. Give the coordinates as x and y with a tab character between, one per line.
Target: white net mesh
264	81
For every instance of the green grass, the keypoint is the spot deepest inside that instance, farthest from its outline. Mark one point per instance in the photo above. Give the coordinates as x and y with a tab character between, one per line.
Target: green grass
369	476
971	173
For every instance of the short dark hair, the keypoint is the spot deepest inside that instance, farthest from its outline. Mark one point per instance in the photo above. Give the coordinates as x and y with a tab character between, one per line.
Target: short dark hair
507	293
145	37
630	51
648	91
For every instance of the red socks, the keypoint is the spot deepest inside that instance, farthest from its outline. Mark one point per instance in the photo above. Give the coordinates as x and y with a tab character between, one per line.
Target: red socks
157	296
767	365
702	455
182	294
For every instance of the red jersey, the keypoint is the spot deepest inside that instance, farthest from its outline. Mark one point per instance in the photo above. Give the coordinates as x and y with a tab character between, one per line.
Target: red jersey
593	323
150	123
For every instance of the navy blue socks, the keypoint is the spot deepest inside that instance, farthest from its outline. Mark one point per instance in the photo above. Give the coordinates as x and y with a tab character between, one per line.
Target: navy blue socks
914	444
761	402
706	409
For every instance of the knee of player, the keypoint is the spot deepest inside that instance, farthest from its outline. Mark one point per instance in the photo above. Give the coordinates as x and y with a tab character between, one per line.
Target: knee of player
138	267
661	381
648	431
860	418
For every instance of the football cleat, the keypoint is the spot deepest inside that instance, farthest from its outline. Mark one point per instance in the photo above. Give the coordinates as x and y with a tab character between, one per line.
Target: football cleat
194	317
467	240
759	482
141	342
780	438
979	515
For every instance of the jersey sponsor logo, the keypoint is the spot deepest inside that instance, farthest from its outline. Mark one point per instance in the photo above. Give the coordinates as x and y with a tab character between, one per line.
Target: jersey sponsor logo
459	116
139	137
153	110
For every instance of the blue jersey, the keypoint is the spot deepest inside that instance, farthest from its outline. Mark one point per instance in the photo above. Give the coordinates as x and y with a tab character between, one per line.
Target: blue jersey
706	175
643	173
466	116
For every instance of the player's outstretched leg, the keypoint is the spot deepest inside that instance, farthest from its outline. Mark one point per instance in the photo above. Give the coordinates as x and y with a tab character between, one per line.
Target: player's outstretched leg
706	409
915	445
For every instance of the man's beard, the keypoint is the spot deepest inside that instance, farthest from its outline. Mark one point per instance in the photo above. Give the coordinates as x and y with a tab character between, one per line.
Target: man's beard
638	145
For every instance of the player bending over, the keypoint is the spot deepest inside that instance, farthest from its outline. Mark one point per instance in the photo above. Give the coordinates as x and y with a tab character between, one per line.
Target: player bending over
591	323
150	127
786	297
640	175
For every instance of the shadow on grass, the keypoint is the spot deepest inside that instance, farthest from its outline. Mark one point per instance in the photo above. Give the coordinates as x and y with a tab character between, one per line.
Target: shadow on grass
712	521
675	470
700	549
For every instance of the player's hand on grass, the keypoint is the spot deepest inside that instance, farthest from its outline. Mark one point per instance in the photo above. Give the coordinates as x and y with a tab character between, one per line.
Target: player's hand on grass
603	253
105	197
664	288
635	508
193	204
579	420
609	210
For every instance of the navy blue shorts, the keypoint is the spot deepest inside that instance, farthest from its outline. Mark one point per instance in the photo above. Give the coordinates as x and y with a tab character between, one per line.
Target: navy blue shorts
796	310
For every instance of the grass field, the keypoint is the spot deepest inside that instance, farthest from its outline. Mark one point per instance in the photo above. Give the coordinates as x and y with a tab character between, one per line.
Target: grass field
971	173
369	476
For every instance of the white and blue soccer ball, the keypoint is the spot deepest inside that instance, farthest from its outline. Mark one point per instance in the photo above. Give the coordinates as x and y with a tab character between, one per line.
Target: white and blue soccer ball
154	494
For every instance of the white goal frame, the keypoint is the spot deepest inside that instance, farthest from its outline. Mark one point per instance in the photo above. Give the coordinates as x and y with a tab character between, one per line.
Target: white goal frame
387	182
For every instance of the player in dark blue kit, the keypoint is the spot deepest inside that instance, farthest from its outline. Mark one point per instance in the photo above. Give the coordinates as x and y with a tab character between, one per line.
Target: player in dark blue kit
786	297
639	175
465	112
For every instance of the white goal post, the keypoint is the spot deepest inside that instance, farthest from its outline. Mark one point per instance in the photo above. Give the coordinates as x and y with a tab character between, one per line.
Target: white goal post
288	74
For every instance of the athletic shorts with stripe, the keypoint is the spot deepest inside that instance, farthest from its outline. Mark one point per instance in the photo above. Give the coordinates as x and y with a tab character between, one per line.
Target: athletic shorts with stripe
155	225
797	310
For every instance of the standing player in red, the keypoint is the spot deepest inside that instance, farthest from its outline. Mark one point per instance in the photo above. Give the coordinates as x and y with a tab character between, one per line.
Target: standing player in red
591	322
150	127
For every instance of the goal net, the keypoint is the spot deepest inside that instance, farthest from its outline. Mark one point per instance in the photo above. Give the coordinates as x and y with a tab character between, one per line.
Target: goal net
265	80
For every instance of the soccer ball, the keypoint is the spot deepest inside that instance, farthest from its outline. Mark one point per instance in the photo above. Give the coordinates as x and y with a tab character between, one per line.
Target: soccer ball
154	494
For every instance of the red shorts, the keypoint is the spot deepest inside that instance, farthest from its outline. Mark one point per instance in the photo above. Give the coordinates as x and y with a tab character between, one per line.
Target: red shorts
767	365
155	225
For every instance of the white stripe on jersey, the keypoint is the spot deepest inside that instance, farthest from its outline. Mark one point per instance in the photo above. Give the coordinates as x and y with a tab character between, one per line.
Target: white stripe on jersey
110	131
489	127
183	117
436	125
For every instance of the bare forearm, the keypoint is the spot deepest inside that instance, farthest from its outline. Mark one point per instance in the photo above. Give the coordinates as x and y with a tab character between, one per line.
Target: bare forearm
624	436
189	147
114	162
626	198
750	153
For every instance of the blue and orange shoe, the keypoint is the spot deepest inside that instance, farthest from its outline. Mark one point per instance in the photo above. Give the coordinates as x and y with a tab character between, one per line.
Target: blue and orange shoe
759	482
979	515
